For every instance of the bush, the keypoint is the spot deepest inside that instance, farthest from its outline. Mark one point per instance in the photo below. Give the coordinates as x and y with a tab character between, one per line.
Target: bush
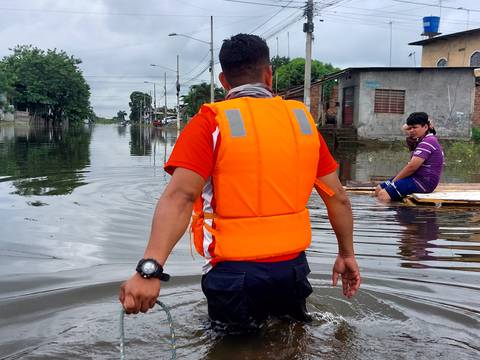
476	134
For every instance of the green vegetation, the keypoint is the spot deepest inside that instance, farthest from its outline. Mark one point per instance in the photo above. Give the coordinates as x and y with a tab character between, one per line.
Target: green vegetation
46	83
293	73
139	102
120	116
102	120
462	157
476	134
278	61
198	95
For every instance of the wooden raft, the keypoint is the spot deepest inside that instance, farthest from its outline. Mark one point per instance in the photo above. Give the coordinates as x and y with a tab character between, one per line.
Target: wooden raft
445	194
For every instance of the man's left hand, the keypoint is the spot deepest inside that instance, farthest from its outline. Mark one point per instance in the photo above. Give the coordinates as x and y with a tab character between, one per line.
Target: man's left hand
347	267
139	294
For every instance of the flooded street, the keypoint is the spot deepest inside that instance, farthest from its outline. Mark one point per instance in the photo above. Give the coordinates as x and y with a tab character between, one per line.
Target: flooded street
75	214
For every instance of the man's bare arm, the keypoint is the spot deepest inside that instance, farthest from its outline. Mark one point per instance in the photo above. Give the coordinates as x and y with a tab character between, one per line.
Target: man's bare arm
339	213
170	221
173	212
341	219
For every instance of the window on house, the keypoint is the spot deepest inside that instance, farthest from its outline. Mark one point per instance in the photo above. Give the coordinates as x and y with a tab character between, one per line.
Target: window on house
475	59
442	62
389	101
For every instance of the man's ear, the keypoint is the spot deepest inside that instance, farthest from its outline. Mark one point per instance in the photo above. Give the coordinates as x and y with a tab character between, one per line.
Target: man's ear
268	76
223	81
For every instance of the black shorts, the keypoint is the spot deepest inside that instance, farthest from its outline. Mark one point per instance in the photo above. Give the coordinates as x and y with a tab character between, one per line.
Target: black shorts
242	292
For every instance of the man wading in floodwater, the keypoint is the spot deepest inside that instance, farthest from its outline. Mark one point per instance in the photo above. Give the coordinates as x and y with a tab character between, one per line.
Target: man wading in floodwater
246	166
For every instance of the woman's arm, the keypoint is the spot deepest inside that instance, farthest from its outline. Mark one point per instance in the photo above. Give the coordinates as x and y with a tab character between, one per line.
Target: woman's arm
412	166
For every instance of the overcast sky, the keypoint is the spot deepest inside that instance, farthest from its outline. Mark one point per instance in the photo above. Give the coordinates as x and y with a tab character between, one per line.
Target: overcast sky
117	40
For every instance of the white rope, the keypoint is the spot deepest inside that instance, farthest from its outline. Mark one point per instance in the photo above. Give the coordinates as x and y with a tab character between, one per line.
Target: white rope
170	323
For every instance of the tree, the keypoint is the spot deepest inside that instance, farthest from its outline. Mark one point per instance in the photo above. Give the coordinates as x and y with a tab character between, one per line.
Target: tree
47	83
198	95
121	115
293	73
278	61
139	103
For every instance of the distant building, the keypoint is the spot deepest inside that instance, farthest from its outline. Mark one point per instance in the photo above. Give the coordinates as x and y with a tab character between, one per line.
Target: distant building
376	101
5	110
451	50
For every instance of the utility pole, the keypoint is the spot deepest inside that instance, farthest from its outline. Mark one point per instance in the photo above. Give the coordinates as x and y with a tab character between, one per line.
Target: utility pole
308	29
276	71
390	51
212	73
288	45
277	46
154	98
165	93
178	94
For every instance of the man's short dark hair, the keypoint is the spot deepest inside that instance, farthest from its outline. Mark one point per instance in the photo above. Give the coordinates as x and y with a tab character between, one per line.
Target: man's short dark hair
243	58
417	118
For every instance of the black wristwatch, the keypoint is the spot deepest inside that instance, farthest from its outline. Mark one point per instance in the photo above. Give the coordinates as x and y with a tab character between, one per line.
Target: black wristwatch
150	268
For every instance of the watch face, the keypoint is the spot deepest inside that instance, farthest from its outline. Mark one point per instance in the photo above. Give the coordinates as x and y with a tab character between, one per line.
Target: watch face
149	267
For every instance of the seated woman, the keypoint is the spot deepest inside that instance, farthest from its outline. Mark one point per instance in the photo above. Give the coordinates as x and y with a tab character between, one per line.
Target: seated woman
422	172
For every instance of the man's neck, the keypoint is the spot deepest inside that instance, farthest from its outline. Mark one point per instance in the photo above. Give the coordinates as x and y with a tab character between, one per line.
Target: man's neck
257	90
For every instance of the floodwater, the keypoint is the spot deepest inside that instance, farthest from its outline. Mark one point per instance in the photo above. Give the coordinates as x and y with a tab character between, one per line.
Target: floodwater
75	212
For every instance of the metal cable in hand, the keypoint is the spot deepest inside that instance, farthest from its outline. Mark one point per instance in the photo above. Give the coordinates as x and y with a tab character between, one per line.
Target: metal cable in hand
170	323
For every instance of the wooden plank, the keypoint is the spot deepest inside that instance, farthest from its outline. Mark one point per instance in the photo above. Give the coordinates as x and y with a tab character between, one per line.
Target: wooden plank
444	187
466	197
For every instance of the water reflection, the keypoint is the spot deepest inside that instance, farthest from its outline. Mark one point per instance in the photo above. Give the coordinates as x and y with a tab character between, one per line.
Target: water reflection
44	160
420	228
89	241
424	243
143	138
121	130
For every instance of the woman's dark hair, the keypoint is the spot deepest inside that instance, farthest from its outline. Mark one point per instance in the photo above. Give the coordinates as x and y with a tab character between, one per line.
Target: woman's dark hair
420	118
243	58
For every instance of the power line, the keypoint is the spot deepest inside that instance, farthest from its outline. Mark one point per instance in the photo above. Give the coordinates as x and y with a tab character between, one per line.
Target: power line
274	30
403	19
270	18
77	12
264	4
439	6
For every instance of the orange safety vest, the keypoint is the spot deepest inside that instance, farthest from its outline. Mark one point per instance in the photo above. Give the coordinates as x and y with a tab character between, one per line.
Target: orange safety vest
262	179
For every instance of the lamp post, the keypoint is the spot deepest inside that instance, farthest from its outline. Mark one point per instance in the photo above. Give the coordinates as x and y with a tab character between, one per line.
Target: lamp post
468	14
154	94
177	85
212	73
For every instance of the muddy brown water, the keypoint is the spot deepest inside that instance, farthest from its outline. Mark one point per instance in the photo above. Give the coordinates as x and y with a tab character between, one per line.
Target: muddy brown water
75	211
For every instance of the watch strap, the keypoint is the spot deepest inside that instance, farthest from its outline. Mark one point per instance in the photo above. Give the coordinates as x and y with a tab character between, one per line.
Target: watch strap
159	274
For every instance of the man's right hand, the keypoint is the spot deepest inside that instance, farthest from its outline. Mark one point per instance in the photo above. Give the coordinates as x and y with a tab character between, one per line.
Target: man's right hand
139	294
347	267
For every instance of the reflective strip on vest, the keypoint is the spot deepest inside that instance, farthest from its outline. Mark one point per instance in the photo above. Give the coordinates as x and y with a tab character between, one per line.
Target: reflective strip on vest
235	122
303	121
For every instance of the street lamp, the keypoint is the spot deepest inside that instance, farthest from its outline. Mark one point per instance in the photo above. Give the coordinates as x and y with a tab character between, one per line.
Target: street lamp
177	86
468	14
212	73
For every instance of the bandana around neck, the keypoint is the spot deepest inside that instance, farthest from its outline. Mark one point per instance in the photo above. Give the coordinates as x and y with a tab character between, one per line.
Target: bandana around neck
257	90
